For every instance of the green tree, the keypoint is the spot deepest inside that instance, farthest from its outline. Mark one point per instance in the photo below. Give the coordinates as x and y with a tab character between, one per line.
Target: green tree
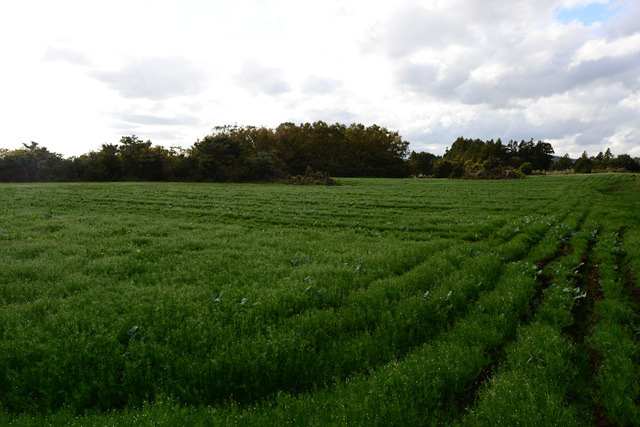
421	163
108	163
563	163
140	161
542	156
444	168
626	162
261	166
32	163
584	164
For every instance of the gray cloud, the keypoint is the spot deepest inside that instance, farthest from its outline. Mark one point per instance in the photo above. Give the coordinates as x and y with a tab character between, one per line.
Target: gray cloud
541	80
497	60
415	28
525	78
260	79
462	23
625	21
593	133
155	78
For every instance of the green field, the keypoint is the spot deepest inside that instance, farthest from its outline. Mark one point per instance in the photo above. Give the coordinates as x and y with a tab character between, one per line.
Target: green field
379	301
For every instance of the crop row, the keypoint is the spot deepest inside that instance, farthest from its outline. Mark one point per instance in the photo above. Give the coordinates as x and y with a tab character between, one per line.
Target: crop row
427	385
576	364
228	347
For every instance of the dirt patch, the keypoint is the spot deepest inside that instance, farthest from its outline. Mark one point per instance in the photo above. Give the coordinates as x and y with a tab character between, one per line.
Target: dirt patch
586	278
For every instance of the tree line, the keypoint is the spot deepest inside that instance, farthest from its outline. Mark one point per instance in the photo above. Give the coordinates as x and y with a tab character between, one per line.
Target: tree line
253	154
229	153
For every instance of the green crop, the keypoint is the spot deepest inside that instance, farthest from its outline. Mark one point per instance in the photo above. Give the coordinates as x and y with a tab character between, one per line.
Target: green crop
378	301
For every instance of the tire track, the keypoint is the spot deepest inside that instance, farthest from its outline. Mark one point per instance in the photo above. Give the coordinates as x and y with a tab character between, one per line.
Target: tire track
544	279
584	320
627	273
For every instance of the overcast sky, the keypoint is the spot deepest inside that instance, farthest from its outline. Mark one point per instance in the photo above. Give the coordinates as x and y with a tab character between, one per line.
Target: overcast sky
77	74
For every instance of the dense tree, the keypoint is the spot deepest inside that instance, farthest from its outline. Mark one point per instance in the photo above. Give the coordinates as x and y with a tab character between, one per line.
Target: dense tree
584	164
563	163
476	151
215	156
260	166
492	159
354	150
602	160
108	163
421	163
141	161
542	156
32	162
626	162
444	169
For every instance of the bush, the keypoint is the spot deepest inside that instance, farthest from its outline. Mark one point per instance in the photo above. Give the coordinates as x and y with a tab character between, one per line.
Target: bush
500	172
313	178
444	169
491	163
261	166
526	168
457	172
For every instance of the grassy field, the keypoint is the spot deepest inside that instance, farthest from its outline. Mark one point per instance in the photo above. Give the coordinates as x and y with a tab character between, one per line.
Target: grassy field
379	301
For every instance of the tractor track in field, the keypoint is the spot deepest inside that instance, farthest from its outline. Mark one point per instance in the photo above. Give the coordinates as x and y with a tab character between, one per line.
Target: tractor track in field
629	286
584	320
544	279
627	274
586	279
469	397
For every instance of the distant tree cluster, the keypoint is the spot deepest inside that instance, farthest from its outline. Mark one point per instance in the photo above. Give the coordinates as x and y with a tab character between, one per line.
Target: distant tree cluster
602	163
257	154
474	158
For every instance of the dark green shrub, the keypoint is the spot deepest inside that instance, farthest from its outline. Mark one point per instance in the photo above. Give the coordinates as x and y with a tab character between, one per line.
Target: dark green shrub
444	169
313	178
526	168
491	163
261	166
583	165
457	172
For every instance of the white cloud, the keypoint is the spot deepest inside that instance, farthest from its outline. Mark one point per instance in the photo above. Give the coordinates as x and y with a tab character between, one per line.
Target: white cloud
69	55
155	78
596	49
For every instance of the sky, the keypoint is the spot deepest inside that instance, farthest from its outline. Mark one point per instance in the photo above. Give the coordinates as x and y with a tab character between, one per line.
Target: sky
77	74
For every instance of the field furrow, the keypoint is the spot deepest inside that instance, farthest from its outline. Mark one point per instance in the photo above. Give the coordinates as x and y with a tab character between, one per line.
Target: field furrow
562	243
